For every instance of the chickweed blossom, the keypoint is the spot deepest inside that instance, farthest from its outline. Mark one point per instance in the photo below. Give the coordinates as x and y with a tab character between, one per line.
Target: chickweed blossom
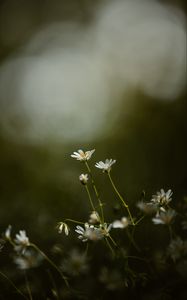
90	232
29	260
123	223
94	218
162	198
82	156
164	217
21	242
105	166
8	232
63	226
83	178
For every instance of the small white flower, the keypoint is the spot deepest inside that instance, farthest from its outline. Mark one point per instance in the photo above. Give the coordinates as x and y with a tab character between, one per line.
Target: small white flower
105	166
63	226
177	248
165	217
22	241
30	259
162	198
147	208
123	223
89	232
82	156
94	218
105	229
8	232
83	178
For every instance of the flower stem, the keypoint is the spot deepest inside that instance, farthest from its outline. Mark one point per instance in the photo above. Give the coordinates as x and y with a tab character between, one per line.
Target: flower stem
96	191
110	247
28	286
121	198
74	221
10	281
90	199
51	263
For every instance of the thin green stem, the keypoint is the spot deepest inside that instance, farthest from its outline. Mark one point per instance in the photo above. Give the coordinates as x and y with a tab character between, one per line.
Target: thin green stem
28	286
112	241
54	284
51	263
15	287
121	198
96	191
90	198
74	221
110	247
137	222
131	239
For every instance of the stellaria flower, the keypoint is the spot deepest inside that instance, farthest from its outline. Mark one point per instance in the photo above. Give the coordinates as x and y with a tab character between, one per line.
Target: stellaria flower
177	248
105	229
94	218
29	260
89	232
22	242
147	208
123	223
76	263
63	226
8	232
83	156
83	178
105	166
162	198
164	217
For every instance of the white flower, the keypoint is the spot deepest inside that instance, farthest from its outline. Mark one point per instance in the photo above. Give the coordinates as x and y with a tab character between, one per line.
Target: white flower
83	156
63	226
177	248
30	259
8	232
89	232
165	217
22	241
94	217
162	198
105	166
124	222
105	229
147	208
83	178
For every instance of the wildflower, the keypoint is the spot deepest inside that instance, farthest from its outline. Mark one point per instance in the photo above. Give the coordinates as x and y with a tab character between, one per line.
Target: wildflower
105	229
105	166
147	208
83	178
30	259
124	222
83	156
76	263
177	249
94	217
8	232
165	217
22	242
162	198
63	226
89	232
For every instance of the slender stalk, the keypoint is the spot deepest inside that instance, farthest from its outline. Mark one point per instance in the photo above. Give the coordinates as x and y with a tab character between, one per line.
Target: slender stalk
51	263
121	198
15	287
113	241
90	199
28	286
74	221
54	284
131	239
96	191
137	222
110	247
